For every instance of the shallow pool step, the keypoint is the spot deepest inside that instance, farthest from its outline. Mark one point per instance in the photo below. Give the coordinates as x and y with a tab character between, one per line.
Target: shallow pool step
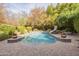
65	40
14	40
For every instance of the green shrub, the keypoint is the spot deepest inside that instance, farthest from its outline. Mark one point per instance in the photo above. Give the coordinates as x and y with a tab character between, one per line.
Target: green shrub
7	28
21	29
6	31
65	22
4	36
29	28
76	25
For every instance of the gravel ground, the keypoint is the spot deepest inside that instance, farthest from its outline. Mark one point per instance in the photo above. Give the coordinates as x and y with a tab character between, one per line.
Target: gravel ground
57	49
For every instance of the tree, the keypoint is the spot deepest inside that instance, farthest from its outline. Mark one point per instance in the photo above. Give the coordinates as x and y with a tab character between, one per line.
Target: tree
76	20
2	12
39	19
76	25
66	16
22	21
52	12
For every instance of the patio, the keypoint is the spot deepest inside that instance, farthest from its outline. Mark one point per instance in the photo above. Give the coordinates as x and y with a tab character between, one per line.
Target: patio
57	49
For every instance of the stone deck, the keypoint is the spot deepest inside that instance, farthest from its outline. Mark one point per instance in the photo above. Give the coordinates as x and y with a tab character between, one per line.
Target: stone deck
57	49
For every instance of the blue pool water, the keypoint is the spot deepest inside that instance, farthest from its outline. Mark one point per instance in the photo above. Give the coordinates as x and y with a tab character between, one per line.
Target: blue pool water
39	37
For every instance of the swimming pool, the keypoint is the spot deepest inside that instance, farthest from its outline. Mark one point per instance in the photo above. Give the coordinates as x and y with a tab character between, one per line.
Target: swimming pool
39	38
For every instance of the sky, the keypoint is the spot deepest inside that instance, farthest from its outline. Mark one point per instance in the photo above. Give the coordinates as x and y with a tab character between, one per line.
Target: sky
18	7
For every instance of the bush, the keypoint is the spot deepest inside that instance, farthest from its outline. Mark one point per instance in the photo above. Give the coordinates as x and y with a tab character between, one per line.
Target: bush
3	36
21	29
76	25
29	28
65	22
6	31
7	28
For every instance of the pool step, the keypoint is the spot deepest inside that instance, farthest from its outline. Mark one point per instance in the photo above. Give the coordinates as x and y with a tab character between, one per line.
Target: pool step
14	40
65	40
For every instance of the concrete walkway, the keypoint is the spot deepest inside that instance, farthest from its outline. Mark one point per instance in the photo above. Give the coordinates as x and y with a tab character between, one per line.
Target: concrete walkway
57	49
